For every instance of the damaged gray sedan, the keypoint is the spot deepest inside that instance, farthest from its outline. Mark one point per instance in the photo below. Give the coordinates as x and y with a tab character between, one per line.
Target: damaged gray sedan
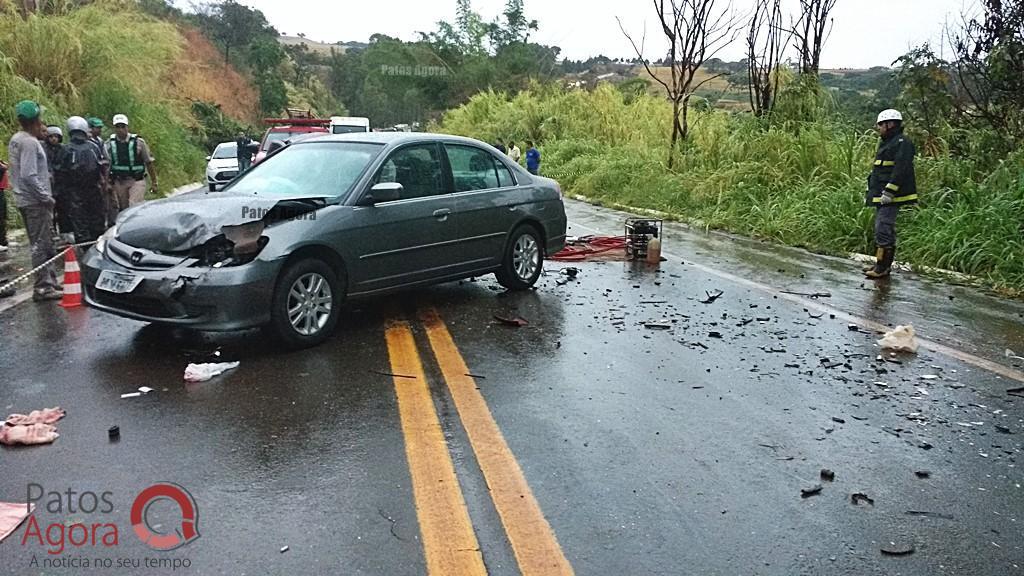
322	220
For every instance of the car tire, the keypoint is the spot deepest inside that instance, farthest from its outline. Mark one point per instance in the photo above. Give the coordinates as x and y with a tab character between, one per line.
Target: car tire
523	260
213	187
311	325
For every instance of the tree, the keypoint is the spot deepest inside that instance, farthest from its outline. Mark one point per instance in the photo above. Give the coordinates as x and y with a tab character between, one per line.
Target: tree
989	65
234	25
766	44
811	31
696	30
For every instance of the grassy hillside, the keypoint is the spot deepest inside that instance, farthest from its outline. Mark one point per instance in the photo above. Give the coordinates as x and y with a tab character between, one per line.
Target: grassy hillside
797	180
108	58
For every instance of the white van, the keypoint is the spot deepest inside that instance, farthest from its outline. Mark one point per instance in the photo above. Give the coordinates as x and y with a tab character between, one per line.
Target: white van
348	125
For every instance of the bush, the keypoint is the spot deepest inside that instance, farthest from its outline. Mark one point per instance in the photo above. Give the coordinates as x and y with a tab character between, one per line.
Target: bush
796	179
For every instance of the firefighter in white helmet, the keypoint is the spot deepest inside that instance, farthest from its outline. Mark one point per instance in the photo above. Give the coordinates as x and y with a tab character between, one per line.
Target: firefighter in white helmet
891	185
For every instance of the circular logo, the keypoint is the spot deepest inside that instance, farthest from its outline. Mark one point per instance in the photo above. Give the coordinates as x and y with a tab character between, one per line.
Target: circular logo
184	534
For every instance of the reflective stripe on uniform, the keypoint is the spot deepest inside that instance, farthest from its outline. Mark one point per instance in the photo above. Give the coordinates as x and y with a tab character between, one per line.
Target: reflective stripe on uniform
893	187
885	162
896	199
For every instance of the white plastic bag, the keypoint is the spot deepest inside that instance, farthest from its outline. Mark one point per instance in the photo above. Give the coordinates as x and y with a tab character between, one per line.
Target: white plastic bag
203	372
900	339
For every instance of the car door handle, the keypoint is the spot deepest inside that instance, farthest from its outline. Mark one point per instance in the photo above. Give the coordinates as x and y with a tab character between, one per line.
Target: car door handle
442	214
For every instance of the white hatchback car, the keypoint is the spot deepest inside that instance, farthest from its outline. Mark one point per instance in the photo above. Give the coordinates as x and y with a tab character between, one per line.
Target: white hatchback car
222	165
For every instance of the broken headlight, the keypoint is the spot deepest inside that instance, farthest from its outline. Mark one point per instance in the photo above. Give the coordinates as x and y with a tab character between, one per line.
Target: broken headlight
236	245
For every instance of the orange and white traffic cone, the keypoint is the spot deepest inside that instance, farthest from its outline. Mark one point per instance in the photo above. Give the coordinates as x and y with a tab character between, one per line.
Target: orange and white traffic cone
72	281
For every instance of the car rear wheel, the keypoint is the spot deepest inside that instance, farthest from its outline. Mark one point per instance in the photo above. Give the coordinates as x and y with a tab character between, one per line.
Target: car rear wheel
523	260
307	302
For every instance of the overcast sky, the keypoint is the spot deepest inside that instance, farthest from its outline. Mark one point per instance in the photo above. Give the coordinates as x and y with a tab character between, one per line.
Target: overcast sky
867	32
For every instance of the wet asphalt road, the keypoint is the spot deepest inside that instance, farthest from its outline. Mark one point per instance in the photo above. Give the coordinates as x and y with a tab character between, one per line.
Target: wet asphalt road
649	451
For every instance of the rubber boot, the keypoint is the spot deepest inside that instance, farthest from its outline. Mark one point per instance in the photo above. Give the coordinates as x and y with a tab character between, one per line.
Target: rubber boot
879	254
884	265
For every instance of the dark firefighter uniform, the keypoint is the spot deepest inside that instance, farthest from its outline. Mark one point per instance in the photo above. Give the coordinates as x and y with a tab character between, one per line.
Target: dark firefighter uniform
892	184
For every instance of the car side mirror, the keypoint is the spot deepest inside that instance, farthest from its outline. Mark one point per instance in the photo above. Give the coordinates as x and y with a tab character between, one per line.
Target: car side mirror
384	192
207	158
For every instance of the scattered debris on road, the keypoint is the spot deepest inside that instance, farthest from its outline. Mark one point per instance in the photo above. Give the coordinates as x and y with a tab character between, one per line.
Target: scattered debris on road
203	372
513	321
898	549
36	427
900	339
1013	355
929	514
12	514
392	375
712	297
828	475
859	497
114	432
812	491
1016	391
812	295
283	549
658	325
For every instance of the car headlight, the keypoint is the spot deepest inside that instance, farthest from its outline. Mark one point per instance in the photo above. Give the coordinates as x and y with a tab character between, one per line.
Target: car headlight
236	245
101	242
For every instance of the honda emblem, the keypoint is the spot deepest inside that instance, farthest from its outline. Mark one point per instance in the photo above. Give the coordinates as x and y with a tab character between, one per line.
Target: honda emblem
136	257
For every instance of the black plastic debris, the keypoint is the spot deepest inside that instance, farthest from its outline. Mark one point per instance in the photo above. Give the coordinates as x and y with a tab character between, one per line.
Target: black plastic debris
1016	391
812	491
838	420
114	432
828	475
923	474
712	297
1003	429
714	334
898	549
860	497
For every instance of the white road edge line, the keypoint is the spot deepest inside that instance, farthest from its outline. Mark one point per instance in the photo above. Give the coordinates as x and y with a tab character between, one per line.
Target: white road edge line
965	357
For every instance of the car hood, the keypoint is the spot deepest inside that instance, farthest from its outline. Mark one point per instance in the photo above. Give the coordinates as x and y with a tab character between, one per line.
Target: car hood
189	220
223	163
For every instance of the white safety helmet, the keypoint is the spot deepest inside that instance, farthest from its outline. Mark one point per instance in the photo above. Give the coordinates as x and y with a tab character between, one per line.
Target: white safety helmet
890	114
78	124
120	119
54	131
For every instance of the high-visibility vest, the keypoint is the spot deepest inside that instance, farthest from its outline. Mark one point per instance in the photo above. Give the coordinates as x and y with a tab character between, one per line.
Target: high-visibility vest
123	158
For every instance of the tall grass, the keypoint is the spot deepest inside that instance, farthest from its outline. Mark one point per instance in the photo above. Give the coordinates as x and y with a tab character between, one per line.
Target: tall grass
103	59
797	179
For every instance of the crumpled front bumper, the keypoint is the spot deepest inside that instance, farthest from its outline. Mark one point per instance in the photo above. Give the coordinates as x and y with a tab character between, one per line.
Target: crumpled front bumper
204	298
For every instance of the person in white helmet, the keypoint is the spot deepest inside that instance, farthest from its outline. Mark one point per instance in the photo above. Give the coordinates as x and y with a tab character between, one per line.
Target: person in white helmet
892	184
130	160
79	172
54	148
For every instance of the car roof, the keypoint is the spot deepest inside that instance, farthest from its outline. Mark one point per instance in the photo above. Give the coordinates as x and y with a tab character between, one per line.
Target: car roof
393	138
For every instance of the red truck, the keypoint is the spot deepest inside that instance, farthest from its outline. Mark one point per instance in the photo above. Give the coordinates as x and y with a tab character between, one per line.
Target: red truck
282	129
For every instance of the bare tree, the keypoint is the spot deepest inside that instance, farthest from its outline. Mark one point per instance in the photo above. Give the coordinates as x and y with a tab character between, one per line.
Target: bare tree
811	31
696	30
766	43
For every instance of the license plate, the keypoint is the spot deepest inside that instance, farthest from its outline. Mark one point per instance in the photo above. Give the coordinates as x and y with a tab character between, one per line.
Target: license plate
118	282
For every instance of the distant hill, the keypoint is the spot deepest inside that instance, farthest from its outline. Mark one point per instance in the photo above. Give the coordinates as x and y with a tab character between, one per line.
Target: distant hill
321	47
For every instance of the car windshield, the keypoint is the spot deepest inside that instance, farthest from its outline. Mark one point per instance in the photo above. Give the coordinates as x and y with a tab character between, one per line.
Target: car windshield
321	168
226	150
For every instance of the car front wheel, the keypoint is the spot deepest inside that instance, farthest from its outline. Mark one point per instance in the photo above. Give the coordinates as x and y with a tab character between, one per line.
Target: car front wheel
307	302
523	259
213	187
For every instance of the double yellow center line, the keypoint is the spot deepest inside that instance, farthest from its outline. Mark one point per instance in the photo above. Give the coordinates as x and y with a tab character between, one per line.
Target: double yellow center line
449	541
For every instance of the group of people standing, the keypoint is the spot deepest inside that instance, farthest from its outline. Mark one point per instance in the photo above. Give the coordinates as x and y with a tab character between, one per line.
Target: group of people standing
513	152
72	190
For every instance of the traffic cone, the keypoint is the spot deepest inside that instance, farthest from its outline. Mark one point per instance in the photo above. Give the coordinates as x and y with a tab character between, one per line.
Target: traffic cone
72	281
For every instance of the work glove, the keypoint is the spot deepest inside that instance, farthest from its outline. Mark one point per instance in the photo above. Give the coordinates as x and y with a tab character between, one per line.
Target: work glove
886	199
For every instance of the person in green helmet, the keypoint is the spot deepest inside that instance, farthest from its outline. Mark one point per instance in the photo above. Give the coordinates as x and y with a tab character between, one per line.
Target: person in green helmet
96	127
30	180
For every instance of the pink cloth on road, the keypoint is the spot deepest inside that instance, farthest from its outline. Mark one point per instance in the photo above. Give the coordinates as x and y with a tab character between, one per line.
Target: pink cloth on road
28	434
44	416
12	515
